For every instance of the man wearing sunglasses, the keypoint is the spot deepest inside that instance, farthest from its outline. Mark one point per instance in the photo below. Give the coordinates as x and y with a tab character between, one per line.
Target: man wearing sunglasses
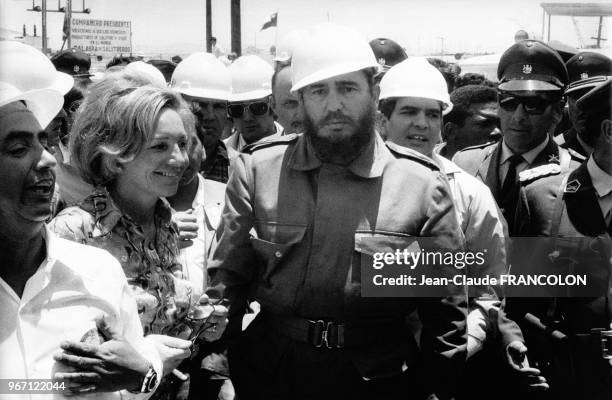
532	78
582	69
249	107
572	211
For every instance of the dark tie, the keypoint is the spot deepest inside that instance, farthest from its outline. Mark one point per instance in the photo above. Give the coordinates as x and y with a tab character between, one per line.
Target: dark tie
511	180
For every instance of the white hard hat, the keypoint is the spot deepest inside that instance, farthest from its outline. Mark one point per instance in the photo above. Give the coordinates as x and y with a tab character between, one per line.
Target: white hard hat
329	50
148	71
285	47
251	78
27	69
43	103
202	75
416	77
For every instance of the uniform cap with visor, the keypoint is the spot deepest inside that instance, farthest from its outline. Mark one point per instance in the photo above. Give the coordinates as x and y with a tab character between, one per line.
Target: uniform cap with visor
585	66
27	68
598	98
329	50
388	53
416	77
251	78
202	75
72	62
531	65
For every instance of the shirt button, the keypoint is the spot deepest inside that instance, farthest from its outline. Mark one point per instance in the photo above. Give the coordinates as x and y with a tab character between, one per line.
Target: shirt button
278	254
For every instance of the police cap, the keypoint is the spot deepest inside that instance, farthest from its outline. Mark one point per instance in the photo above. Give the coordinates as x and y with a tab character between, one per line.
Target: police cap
388	53
72	62
598	99
531	65
582	68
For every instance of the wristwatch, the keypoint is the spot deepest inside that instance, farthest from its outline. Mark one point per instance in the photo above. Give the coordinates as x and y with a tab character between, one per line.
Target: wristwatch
149	381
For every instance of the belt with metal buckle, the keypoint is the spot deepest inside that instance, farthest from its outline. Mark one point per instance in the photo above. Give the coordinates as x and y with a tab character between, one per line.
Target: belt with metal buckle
605	337
329	334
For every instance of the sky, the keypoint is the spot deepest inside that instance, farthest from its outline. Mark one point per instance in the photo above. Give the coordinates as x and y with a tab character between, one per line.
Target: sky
171	27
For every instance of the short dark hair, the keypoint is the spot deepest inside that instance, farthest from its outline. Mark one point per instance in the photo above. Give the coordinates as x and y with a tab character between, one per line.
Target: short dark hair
122	60
387	106
463	97
472	78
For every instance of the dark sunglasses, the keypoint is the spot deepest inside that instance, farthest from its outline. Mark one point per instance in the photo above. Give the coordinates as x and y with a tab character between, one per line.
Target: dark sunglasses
257	108
533	105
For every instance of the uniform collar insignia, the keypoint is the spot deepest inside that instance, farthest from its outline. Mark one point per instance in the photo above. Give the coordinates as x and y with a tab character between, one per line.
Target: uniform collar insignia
572	186
527	69
553	158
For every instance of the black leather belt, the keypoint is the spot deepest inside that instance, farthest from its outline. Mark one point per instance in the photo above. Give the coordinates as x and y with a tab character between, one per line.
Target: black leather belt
329	334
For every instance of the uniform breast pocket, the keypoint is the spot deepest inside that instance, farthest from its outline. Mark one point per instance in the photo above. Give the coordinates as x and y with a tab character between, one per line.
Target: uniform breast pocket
272	252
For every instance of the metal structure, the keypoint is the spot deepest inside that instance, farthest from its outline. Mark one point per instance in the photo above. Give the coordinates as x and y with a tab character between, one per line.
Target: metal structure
573	10
66	9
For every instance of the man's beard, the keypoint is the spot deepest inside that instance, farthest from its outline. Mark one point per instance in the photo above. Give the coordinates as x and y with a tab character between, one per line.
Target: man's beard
343	149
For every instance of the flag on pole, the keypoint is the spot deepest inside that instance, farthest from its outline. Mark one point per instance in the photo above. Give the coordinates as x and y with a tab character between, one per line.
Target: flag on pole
270	23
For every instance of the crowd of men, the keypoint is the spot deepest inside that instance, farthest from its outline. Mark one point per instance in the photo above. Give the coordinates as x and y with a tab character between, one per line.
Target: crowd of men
282	183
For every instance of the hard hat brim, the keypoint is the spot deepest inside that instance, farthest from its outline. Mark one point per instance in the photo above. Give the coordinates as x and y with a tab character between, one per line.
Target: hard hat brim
252	95
517	85
204	93
326	73
43	103
63	83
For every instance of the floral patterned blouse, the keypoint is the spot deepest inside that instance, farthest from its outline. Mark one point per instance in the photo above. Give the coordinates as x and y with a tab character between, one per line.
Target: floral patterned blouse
162	293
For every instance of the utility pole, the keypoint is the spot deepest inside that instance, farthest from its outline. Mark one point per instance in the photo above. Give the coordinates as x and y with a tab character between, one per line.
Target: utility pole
236	31
441	45
208	25
43	10
599	38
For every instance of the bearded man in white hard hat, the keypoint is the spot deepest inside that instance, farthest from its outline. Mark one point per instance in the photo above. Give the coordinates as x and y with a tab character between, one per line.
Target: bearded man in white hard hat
250	102
326	205
206	83
413	99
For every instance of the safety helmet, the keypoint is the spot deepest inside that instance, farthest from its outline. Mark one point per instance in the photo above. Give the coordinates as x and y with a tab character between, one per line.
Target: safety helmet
329	50
416	77
148	71
44	104
202	75
251	78
27	68
285	47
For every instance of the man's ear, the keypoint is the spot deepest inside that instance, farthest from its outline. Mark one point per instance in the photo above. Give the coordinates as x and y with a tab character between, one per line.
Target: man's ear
557	115
449	131
606	130
376	94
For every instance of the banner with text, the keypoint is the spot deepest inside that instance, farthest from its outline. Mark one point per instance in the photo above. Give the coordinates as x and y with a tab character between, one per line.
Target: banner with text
101	37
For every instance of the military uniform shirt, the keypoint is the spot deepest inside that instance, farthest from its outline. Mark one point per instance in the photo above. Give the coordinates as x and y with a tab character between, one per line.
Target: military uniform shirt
602	182
528	158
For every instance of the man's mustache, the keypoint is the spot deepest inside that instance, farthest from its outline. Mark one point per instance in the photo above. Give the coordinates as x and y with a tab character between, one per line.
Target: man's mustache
336	117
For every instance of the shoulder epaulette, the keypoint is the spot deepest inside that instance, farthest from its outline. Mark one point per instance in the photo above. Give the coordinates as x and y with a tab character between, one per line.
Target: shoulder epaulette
404	152
479	146
530	175
269	141
576	155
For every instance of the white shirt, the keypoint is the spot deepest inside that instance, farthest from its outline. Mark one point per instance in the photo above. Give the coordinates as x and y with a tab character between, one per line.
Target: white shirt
73	285
602	182
485	229
207	207
528	158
